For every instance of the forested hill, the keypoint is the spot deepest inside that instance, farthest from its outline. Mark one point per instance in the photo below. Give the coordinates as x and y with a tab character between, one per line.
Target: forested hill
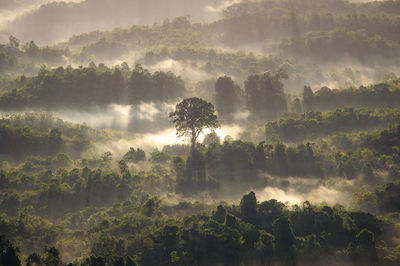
320	29
60	19
185	132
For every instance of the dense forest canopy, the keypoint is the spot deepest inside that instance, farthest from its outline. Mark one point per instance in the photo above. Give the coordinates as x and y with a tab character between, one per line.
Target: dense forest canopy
215	132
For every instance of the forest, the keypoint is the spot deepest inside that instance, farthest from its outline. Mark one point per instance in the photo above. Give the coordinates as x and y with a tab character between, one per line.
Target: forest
214	132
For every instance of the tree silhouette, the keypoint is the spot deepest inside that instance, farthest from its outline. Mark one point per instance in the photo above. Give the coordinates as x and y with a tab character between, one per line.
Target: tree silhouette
192	116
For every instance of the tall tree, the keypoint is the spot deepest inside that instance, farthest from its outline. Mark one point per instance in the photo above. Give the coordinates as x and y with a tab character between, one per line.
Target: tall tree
192	116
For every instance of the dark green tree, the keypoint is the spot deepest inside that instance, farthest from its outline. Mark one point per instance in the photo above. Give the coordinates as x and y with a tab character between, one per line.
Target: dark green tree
220	214
55	140
34	259
52	257
192	116
135	156
14	42
94	261
130	262
296	106
308	98
227	96
363	250
8	253
248	207
265	96
211	138
195	172
284	241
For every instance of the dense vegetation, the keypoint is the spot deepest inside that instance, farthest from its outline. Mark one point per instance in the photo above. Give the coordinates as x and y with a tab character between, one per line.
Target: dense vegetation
379	95
71	88
99	205
292	32
293	101
293	127
262	233
42	134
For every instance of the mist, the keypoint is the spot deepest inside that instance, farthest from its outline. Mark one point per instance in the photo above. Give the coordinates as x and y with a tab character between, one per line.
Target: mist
294	190
215	132
62	19
146	126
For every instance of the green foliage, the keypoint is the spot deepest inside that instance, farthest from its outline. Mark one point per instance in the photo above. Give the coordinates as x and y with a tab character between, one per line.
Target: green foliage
159	86
381	95
59	199
284	241
52	257
192	116
248	207
227	96
325	45
134	156
43	134
178	32
238	64
8	253
379	199
182	150
294	127
323	28
211	138
265	95
159	157
33	259
276	234
69	87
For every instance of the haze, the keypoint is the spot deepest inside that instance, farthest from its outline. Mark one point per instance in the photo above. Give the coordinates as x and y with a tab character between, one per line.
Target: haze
185	132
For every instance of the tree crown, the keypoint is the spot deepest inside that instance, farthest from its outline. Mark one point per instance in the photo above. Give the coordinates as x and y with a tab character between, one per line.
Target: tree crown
192	116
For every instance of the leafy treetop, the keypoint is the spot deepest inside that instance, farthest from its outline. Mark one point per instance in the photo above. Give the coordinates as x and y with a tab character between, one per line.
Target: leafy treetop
192	116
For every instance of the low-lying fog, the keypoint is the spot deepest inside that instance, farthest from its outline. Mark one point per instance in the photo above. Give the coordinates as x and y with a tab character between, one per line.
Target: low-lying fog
346	73
148	127
151	128
61	19
10	10
297	190
148	123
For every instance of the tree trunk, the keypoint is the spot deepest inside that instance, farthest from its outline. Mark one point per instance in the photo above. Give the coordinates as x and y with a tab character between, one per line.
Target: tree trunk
193	140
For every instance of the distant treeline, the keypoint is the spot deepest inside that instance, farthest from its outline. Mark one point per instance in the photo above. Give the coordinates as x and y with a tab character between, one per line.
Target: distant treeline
42	134
85	86
238	64
17	58
325	30
262	94
293	127
325	45
249	22
385	95
341	153
384	198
